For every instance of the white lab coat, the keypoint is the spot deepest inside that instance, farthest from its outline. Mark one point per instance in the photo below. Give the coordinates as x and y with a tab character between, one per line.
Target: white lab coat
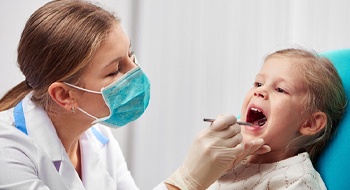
39	161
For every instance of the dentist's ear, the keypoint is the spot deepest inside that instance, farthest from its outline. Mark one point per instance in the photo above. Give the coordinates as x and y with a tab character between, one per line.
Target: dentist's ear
62	95
314	124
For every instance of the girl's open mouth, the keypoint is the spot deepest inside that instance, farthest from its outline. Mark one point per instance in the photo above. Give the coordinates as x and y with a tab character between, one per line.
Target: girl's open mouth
256	116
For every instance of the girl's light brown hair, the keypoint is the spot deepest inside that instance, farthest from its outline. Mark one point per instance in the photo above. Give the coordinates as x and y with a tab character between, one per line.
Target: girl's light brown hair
325	93
57	43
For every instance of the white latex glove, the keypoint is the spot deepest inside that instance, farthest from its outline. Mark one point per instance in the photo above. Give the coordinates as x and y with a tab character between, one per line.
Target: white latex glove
214	151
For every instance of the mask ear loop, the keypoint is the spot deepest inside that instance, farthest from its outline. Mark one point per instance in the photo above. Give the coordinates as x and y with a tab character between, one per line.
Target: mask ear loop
86	90
83	89
87	113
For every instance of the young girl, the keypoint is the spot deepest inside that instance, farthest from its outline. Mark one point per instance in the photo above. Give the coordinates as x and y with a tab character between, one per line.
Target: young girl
295	104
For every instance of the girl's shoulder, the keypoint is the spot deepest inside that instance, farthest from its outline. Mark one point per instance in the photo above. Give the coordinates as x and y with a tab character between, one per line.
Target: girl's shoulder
293	173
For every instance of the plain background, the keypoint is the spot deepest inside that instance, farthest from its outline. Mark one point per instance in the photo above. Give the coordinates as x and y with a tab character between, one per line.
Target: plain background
201	57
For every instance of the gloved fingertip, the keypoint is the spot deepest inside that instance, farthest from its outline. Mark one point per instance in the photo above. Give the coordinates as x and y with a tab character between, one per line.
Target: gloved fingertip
267	148
239	146
257	141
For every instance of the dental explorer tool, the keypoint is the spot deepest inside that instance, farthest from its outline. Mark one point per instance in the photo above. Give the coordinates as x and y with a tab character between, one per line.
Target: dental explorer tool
238	122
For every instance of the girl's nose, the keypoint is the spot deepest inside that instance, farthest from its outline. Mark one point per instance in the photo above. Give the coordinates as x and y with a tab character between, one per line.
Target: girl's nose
261	93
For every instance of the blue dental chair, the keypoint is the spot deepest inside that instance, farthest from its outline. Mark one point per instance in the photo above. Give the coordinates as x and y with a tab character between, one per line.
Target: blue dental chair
334	162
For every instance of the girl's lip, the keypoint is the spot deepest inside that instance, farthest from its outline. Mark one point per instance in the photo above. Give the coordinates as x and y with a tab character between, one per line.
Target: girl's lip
254	127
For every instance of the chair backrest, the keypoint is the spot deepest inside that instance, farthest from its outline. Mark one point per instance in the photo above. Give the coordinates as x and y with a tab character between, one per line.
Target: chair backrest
334	162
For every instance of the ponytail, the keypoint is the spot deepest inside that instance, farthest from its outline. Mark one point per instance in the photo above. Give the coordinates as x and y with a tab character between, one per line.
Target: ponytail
14	96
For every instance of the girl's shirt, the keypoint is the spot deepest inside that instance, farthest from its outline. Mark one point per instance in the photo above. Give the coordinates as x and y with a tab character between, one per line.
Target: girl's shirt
293	173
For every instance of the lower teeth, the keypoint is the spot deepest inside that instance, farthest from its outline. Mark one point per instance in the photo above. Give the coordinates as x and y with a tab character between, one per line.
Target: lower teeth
261	121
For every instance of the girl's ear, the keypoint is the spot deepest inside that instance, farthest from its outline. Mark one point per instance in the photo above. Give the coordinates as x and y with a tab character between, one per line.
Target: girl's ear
314	124
62	95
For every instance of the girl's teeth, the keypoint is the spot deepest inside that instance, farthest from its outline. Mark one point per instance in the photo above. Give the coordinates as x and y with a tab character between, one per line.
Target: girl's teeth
261	121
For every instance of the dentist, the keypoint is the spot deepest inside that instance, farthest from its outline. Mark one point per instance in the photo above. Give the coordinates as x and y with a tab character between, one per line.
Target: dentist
81	79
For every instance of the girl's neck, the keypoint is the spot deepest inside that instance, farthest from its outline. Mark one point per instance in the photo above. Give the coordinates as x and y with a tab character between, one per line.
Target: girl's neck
270	157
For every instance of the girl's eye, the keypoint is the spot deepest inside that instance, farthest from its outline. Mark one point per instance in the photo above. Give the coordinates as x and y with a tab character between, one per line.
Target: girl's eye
280	90
257	84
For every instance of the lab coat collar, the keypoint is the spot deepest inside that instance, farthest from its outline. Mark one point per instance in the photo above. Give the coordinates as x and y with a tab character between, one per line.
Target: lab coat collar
94	170
42	130
44	134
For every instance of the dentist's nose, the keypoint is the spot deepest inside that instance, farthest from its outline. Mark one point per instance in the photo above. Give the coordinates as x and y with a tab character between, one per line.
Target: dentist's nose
131	63
259	92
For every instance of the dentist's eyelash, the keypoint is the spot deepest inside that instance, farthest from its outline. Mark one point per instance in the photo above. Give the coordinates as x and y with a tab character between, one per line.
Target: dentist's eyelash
114	73
131	53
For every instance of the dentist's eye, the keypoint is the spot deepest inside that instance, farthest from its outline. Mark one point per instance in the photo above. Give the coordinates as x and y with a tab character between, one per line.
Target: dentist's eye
131	53
132	56
113	73
257	84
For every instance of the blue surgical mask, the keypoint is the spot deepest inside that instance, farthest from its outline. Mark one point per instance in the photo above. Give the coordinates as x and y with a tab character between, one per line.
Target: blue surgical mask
126	98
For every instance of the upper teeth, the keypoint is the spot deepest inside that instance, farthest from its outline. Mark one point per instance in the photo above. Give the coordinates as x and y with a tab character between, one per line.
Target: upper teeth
255	109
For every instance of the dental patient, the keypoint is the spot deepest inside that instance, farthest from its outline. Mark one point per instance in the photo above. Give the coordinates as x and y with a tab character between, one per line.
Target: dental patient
295	104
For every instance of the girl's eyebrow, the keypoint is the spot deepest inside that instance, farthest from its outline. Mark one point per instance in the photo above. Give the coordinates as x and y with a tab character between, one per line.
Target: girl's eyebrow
259	75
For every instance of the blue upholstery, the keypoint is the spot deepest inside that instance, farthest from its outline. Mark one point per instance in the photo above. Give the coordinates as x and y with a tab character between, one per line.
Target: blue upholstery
334	163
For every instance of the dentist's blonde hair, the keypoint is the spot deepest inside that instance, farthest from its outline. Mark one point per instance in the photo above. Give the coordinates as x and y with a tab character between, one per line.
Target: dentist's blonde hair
325	93
57	43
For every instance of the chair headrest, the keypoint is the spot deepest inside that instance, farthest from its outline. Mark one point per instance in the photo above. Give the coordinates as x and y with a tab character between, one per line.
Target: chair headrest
333	164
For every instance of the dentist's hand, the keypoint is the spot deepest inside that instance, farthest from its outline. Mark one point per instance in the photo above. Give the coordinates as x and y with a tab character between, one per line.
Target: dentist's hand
255	146
215	150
